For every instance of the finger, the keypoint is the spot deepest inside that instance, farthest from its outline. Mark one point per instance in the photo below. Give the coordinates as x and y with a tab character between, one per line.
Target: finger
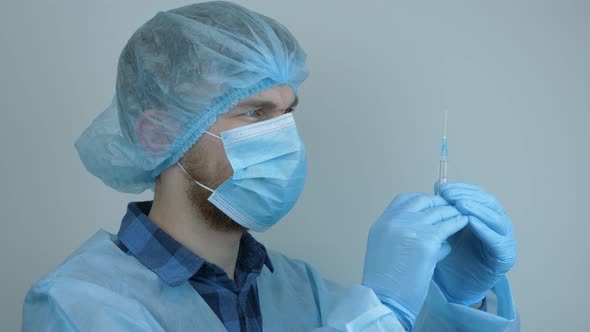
440	213
483	198
423	202
402	199
499	223
464	185
483	232
460	186
443	230
445	250
458	191
502	248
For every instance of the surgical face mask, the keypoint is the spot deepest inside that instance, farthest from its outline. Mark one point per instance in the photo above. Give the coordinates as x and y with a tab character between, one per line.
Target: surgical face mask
269	164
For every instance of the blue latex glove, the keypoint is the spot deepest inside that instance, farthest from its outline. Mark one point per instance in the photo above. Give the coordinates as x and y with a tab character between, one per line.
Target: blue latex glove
403	248
482	252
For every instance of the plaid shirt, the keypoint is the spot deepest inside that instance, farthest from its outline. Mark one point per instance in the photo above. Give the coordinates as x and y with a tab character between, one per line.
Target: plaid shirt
236	304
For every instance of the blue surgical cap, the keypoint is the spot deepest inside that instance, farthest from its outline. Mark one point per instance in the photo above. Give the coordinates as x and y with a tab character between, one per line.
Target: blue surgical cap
176	75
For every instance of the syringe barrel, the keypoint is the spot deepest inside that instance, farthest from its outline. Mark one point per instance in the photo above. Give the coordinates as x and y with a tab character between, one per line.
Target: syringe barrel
442	171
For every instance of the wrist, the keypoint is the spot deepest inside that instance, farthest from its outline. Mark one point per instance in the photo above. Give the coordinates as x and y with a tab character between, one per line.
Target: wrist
478	305
475	300
481	305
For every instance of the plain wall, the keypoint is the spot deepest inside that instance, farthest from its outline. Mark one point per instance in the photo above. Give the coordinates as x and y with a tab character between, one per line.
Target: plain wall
514	75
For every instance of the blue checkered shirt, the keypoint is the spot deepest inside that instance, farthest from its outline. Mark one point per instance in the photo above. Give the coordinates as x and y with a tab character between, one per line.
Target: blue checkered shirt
236	304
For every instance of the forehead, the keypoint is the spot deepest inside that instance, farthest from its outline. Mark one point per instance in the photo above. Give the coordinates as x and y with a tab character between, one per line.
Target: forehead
280	96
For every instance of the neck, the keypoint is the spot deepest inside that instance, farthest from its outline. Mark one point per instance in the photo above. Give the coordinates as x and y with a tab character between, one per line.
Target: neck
178	218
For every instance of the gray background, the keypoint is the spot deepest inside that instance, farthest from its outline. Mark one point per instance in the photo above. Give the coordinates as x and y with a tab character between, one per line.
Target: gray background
514	76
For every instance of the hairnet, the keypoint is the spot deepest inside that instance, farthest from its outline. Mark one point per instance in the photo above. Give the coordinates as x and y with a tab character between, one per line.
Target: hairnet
176	75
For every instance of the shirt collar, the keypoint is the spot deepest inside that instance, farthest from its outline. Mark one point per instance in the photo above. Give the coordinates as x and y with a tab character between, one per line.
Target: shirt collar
169	259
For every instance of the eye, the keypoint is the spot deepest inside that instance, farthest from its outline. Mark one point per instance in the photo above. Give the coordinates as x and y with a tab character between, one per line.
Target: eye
290	110
252	114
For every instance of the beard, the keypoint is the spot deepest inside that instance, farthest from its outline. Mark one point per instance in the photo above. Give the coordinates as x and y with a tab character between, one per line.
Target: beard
196	167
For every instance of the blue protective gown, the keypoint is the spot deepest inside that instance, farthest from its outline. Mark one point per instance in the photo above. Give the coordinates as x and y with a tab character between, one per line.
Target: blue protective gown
100	288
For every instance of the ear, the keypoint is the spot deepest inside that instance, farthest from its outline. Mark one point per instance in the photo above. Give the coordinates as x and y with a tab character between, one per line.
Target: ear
150	132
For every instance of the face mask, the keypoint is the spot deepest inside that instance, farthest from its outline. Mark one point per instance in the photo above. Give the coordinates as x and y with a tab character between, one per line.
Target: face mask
269	163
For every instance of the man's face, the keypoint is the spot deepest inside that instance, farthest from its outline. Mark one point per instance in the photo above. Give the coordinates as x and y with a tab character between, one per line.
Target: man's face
206	161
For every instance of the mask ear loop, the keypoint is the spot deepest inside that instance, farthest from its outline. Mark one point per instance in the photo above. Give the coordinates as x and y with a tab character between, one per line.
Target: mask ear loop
211	134
190	177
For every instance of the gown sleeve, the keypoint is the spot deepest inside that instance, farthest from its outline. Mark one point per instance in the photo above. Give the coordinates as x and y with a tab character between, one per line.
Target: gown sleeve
440	315
75	305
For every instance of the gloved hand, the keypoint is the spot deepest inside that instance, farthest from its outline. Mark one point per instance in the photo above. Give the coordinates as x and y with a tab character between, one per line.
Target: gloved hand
482	252
403	248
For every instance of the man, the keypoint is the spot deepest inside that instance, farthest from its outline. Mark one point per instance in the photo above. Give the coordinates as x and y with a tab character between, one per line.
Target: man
202	115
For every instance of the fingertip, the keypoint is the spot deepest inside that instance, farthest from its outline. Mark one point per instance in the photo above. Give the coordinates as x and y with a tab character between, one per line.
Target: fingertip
445	250
461	222
464	220
451	226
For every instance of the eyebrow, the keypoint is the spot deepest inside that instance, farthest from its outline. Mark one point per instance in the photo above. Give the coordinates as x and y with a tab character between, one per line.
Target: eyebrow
265	103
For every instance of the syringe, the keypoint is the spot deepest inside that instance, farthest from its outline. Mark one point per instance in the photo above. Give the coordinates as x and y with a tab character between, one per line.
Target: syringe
442	164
